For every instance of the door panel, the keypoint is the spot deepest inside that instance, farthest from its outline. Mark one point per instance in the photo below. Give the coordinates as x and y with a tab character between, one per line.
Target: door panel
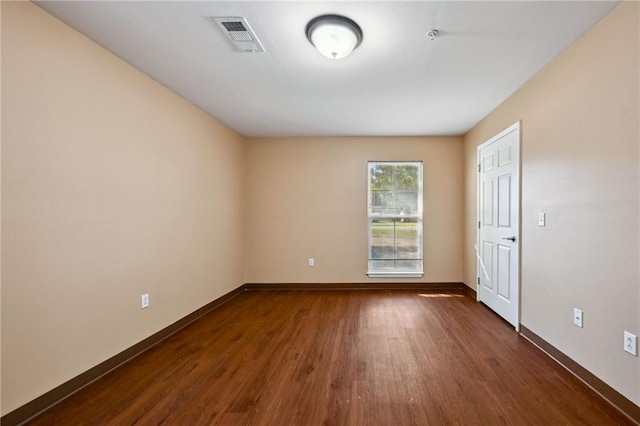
487	259
487	162
504	204
504	156
487	212
504	278
499	223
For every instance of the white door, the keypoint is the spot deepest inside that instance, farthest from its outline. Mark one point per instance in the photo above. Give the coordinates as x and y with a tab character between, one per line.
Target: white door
499	224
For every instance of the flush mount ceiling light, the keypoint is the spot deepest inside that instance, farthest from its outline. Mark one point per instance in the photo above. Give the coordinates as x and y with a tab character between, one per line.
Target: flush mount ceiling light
334	36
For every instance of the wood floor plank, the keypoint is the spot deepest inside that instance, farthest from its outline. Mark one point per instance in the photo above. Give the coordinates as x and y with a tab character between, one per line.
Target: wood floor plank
359	357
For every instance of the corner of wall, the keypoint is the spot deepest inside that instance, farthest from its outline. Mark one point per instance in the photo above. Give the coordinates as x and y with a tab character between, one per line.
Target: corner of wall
112	186
580	165
0	201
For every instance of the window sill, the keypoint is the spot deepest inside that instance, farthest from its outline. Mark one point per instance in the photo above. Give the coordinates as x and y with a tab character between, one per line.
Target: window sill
395	274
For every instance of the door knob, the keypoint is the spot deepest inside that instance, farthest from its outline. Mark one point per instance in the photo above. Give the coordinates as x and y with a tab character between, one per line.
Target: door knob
512	239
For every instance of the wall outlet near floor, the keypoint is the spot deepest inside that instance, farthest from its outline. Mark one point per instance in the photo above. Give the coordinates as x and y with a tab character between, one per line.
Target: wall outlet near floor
144	301
631	343
577	317
312	261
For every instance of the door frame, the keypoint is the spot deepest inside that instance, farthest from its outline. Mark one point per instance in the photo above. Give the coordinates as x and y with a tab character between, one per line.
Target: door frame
518	128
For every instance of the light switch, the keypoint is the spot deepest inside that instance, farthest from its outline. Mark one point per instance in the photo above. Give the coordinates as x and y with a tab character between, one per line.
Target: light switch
542	218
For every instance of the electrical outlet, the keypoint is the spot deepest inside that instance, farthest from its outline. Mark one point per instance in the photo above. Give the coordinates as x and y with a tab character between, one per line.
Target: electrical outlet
630	343
311	261
577	317
144	301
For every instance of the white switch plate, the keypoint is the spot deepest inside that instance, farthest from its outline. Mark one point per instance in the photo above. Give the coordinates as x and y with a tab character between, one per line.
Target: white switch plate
631	343
144	301
577	317
542	218
311	261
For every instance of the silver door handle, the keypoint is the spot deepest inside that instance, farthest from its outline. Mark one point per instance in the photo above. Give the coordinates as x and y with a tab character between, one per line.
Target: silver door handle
512	239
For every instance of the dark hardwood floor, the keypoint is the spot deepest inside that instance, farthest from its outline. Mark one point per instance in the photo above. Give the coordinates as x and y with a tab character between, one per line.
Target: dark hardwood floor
340	358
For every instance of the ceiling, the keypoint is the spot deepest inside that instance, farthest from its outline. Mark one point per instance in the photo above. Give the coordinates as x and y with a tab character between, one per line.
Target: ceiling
398	82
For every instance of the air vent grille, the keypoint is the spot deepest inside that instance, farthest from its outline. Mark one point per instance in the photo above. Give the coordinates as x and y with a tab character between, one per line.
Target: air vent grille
240	36
239	33
234	26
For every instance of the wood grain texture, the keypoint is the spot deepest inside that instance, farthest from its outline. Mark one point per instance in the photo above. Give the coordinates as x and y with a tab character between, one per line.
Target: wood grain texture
610	394
340	358
57	394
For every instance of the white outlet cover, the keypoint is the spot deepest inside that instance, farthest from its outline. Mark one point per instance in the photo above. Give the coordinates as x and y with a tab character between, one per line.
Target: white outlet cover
631	343
312	261
577	317
144	301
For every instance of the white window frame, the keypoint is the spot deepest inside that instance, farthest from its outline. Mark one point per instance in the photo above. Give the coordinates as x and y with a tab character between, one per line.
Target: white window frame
419	216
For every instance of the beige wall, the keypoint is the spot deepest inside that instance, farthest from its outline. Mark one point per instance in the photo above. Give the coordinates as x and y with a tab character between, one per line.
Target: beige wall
580	165
112	186
308	198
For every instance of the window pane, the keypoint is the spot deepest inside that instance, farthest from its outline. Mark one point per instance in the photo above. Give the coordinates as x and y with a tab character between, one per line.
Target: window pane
382	240
406	177
382	202
381	176
395	266
406	203
408	266
407	242
382	265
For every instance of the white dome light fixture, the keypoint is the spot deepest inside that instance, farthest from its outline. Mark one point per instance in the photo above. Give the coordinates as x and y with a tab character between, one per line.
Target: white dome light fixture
334	36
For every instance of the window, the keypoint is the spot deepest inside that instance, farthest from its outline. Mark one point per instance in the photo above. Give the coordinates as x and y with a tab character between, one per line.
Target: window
395	219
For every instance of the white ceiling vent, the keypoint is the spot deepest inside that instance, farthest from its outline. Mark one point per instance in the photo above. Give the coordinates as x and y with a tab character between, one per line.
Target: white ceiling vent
239	33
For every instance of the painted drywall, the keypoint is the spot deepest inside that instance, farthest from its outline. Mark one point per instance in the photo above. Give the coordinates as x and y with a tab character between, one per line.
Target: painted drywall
112	186
580	165
307	197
